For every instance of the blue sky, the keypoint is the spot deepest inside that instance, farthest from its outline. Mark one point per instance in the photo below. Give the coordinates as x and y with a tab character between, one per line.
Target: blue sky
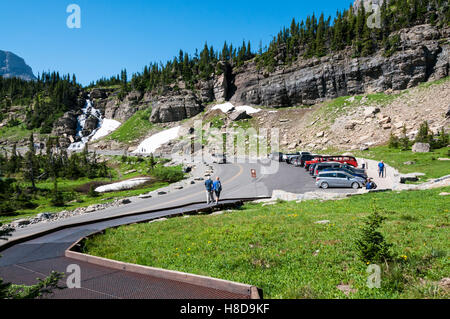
130	34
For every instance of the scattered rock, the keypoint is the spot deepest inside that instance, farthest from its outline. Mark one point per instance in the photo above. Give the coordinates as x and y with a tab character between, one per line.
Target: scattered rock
421	148
322	222
125	201
346	289
370	111
444	283
444	194
239	115
21	222
143	196
130	171
162	193
443	159
364	148
178	187
409	163
320	134
157	220
350	126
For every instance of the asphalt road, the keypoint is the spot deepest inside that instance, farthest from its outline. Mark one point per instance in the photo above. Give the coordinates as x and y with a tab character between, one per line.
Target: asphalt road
36	258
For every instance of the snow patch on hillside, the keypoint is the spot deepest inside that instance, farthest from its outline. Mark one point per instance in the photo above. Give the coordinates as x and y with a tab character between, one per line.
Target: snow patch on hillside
155	141
226	107
122	185
107	126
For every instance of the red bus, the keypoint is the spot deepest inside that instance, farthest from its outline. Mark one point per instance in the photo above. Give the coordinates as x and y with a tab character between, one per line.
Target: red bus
338	158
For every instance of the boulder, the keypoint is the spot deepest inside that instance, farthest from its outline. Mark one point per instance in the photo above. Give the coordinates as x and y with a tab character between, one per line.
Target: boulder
239	115
175	107
350	126
421	148
98	94
371	111
90	125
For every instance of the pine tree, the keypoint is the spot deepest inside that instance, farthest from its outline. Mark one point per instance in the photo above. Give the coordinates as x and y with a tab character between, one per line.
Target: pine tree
31	163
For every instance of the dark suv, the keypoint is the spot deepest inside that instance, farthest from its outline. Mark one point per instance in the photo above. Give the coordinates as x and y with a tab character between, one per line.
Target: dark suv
318	167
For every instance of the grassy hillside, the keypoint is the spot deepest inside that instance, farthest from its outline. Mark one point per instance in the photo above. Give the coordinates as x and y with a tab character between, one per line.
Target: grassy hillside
426	163
282	250
135	128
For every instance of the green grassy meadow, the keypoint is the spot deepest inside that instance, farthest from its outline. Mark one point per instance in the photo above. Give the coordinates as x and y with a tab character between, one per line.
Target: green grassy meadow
281	249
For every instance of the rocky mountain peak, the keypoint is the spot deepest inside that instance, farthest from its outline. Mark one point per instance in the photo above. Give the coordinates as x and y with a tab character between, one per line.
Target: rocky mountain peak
12	65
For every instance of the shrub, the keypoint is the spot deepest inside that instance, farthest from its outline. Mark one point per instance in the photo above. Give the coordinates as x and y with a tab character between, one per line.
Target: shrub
424	136
394	141
167	174
92	192
404	141
371	246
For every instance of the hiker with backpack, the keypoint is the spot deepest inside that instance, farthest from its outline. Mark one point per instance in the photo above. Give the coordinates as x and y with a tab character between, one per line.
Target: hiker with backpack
217	186
209	186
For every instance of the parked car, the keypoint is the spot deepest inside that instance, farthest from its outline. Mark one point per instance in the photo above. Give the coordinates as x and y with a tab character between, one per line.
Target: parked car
325	165
339	158
299	157
307	157
338	179
347	170
354	169
219	158
311	168
276	156
287	157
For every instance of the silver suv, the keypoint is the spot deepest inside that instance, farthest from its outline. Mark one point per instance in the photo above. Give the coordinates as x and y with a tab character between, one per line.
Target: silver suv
338	179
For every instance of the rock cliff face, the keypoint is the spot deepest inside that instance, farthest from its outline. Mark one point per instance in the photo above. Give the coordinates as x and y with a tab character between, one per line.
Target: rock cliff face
421	57
12	65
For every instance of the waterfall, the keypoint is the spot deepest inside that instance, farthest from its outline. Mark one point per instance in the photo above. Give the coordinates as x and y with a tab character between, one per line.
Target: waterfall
87	111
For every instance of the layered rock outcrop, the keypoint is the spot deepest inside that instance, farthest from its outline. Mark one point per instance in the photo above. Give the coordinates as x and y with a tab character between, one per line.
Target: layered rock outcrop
421	57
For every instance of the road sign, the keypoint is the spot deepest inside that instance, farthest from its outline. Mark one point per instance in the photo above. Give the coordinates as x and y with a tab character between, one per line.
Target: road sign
253	172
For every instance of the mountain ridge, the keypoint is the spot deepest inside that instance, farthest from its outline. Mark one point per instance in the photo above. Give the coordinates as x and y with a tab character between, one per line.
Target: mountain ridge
12	65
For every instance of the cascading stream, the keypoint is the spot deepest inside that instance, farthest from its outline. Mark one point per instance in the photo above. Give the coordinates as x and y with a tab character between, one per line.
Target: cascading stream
87	111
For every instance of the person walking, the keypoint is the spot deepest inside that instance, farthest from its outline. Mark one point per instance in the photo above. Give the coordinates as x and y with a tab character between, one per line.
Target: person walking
217	185
209	190
381	169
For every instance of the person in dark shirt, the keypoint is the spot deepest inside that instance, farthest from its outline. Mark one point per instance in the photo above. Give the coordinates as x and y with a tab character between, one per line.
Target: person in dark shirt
217	186
381	169
209	190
